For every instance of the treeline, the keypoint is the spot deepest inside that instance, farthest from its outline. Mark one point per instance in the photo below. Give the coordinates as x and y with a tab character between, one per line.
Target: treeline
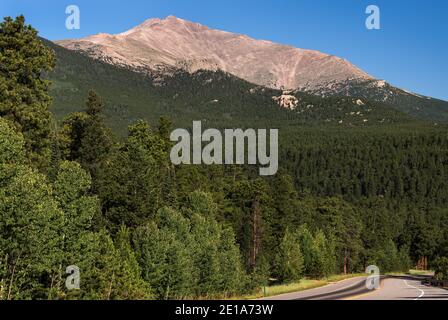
137	227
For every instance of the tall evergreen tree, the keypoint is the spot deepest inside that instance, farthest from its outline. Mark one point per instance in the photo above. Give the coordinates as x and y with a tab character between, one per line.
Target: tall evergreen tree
96	140
24	96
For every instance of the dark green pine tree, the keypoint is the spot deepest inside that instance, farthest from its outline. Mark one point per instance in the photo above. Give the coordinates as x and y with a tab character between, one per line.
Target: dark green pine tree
94	104
96	139
24	97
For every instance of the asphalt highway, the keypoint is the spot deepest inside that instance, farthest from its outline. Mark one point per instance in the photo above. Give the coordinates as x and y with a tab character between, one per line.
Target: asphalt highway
404	288
392	288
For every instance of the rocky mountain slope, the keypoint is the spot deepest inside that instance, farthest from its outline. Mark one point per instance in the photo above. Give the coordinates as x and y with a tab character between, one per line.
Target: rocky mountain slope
161	48
172	43
219	99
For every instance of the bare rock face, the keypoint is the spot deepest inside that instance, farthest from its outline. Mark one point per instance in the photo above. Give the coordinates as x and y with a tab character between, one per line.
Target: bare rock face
165	45
287	101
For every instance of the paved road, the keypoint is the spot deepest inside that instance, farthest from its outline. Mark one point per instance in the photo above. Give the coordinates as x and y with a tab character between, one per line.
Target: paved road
343	288
404	288
392	288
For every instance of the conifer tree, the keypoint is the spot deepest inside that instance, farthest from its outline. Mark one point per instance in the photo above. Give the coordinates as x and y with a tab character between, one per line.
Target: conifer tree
24	94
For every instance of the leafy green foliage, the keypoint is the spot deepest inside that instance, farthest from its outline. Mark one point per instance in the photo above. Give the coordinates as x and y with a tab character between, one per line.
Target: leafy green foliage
189	255
11	144
441	268
289	259
29	226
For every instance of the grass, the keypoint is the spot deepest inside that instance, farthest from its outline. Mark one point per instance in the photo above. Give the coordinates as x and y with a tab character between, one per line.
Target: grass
304	284
412	272
421	273
307	284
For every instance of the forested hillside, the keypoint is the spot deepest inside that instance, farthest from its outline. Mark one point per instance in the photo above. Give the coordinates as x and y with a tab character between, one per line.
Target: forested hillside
87	181
220	99
415	105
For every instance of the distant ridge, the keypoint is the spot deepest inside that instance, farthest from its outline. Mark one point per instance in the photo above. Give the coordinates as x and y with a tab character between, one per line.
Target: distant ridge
160	47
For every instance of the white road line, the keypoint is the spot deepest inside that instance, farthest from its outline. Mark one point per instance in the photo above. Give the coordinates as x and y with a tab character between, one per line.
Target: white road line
422	292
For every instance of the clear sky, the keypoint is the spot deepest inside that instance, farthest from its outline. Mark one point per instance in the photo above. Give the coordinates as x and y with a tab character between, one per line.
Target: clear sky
410	51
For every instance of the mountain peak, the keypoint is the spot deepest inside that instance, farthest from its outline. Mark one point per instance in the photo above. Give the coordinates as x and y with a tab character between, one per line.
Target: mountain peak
170	22
168	19
176	43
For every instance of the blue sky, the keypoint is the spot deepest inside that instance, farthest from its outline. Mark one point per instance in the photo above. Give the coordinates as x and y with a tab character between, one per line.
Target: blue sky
410	51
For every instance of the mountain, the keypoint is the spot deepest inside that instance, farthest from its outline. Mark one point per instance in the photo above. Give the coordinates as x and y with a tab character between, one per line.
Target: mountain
413	104
220	99
174	43
161	47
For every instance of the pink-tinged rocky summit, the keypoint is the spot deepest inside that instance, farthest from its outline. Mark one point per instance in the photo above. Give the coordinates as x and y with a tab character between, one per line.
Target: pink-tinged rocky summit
164	45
